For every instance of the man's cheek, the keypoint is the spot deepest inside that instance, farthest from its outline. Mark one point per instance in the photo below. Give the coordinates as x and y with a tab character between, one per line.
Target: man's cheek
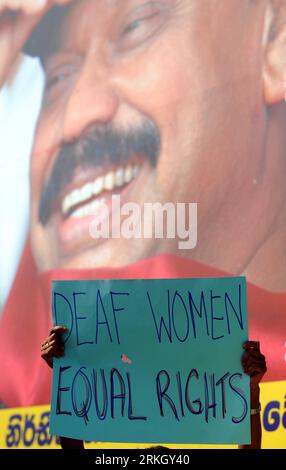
44	146
153	82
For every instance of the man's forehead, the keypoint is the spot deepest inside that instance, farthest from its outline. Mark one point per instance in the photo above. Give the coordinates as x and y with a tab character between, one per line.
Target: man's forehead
45	38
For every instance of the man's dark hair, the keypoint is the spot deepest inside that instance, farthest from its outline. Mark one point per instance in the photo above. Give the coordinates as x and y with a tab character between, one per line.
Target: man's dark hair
45	38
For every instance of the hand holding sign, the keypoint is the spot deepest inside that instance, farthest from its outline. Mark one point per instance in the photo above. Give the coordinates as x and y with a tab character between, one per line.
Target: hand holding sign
253	362
53	346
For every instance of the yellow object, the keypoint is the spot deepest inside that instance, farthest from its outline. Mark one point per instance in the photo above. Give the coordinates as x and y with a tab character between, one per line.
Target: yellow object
28	428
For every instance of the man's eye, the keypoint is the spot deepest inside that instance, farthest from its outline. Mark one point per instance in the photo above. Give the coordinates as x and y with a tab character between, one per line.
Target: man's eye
58	76
131	27
141	27
58	80
55	79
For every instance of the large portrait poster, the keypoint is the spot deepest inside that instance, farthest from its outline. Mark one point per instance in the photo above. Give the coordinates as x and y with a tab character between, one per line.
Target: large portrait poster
140	140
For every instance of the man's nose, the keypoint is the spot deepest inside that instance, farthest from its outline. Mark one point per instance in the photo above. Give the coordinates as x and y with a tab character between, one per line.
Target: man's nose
93	100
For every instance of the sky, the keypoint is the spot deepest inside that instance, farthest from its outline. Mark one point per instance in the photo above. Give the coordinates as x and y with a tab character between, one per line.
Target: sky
20	102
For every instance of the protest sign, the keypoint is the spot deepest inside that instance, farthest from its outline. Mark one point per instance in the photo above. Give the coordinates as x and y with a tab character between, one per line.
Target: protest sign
152	361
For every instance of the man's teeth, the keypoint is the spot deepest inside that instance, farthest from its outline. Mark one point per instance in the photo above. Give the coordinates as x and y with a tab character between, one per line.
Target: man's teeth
113	179
88	209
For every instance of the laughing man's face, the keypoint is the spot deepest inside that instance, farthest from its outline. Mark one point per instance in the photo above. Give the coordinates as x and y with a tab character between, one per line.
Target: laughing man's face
167	92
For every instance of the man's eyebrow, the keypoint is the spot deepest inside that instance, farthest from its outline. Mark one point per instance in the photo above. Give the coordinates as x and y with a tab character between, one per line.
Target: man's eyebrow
45	38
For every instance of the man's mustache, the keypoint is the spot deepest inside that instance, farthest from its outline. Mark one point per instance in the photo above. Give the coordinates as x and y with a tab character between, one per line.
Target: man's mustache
101	145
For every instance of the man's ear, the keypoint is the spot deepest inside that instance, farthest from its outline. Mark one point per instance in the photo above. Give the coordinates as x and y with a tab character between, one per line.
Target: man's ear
274	70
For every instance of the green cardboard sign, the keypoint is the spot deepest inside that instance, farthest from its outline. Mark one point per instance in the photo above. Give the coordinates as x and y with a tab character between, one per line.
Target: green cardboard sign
155	361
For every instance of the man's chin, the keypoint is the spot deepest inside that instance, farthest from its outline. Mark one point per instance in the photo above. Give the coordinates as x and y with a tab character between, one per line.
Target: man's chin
96	254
